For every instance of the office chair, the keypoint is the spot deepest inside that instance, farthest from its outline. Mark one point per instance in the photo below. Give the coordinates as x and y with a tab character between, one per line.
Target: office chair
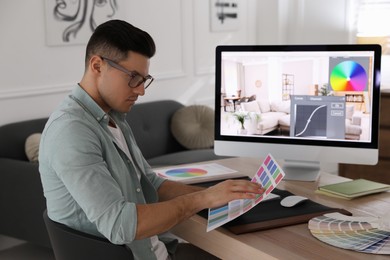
68	243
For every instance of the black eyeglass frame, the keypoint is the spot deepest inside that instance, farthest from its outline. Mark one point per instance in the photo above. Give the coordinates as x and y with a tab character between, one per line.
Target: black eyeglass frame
139	79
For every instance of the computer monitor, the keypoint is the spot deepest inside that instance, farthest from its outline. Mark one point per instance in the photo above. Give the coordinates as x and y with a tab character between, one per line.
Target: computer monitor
304	104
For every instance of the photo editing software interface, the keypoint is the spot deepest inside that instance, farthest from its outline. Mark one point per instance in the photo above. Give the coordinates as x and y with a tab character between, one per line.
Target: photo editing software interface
314	95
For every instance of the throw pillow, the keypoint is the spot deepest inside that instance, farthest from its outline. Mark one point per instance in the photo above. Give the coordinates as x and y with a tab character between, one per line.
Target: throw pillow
193	126
32	147
264	105
252	106
281	106
349	110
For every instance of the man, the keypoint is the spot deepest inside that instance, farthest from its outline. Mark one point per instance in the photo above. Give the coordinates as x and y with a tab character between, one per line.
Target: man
93	174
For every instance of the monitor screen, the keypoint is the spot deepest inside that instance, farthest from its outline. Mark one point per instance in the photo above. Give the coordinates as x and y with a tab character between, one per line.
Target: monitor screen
304	104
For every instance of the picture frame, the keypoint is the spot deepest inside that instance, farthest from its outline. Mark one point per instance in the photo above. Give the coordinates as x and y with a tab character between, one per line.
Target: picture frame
224	15
71	22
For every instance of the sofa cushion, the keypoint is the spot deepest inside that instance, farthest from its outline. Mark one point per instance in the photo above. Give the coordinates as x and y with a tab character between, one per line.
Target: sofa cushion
193	126
270	120
32	146
150	123
281	106
284	120
352	129
13	137
264	105
349	110
252	106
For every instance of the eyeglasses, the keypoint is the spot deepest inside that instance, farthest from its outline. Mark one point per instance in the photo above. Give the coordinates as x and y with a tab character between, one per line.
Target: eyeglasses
135	78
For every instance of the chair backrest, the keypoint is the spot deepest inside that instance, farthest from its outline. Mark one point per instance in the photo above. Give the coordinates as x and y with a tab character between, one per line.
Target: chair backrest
252	98
68	243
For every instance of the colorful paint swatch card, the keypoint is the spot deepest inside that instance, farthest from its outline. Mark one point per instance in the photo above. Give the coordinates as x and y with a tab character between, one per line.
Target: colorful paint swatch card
269	175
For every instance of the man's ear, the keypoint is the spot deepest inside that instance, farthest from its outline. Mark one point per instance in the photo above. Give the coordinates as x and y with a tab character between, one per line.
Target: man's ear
95	64
96	67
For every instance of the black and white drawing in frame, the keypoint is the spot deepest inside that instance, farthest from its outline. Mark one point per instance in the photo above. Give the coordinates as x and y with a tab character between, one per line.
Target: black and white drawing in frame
224	15
71	22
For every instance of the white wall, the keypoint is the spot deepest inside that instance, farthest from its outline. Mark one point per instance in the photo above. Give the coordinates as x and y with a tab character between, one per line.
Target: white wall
35	77
311	21
304	21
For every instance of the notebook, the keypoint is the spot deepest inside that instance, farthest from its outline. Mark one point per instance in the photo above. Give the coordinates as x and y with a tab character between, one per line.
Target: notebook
353	189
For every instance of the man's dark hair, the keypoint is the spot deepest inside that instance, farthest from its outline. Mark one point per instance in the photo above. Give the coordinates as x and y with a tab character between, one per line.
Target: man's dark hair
115	38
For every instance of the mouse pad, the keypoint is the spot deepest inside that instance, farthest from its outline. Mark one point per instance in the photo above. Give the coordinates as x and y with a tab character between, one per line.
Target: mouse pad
270	214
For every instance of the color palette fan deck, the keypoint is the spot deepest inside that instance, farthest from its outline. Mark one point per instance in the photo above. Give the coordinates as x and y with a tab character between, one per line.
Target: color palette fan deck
350	233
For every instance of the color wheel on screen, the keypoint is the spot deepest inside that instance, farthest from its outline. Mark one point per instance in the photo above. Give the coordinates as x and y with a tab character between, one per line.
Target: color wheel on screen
348	76
186	172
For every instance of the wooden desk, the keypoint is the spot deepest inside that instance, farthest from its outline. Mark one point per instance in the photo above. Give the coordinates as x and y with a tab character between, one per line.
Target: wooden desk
291	242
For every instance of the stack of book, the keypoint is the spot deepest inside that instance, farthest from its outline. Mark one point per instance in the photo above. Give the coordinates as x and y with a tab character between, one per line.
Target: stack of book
352	189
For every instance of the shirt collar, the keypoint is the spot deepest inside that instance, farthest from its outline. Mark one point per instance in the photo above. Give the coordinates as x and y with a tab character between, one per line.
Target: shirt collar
89	105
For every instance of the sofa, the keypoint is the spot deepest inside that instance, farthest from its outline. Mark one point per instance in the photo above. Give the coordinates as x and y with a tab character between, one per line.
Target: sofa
21	195
353	123
273	116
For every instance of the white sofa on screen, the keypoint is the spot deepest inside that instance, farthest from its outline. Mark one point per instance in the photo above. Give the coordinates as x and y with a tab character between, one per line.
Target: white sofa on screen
273	116
353	122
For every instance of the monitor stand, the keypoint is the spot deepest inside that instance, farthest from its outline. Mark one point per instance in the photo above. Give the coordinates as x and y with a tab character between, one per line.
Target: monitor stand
301	170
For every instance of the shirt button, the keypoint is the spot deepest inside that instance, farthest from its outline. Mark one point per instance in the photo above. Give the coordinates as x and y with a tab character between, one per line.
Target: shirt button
138	189
151	249
105	116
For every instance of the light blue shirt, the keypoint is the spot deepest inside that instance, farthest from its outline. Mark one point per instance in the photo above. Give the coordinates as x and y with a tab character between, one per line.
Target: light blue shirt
89	182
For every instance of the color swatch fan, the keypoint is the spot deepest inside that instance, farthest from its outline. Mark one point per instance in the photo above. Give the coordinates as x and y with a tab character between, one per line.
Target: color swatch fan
353	233
348	76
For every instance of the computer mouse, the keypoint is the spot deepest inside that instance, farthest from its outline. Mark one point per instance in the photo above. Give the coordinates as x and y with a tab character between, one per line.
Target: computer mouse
291	201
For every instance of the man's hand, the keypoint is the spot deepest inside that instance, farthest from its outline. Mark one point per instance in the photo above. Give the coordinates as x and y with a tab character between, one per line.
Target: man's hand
180	202
229	190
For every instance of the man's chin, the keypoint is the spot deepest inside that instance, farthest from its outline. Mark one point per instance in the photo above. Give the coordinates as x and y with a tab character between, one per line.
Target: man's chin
125	109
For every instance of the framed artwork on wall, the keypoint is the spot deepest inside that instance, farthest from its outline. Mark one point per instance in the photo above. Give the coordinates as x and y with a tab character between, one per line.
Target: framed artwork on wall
70	22
224	15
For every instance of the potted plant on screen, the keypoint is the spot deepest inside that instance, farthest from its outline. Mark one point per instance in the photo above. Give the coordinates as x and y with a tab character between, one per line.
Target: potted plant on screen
241	116
254	119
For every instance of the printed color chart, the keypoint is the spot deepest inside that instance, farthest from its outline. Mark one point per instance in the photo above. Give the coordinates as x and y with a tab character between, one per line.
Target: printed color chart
196	173
269	175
